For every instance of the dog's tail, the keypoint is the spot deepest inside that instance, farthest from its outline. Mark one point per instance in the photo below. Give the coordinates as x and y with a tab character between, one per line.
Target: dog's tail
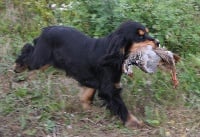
27	49
23	60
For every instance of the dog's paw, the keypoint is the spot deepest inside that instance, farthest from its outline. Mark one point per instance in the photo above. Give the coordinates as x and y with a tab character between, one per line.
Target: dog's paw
86	106
133	122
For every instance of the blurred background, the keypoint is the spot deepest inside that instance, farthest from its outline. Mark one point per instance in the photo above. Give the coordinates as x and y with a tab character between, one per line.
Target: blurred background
28	107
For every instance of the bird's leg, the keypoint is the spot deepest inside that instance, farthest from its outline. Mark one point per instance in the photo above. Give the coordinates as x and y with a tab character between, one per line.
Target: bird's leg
174	77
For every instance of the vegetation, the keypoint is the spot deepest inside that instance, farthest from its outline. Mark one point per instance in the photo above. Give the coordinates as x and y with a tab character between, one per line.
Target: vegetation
28	107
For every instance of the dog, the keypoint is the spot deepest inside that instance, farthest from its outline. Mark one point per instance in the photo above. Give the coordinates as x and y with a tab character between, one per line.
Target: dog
96	63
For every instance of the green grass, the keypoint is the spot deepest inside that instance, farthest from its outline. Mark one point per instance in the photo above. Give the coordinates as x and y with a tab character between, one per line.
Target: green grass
35	103
46	103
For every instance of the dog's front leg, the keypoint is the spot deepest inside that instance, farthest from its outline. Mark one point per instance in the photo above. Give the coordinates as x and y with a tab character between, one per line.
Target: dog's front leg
114	102
111	92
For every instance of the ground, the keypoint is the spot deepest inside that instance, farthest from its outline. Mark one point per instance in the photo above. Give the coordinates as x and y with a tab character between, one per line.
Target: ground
45	104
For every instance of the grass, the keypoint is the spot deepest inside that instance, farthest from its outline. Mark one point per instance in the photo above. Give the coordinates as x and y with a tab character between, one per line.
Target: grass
46	103
35	104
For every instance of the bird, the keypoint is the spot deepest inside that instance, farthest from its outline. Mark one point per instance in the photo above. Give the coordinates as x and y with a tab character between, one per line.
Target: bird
149	58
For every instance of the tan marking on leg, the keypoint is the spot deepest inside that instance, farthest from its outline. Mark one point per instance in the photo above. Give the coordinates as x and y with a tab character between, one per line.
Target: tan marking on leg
132	121
86	95
43	68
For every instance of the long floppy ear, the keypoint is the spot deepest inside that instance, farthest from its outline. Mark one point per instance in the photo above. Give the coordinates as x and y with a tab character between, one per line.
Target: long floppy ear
41	55
116	43
113	60
115	53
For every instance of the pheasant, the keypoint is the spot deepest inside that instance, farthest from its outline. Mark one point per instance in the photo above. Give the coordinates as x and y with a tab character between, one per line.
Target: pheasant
148	58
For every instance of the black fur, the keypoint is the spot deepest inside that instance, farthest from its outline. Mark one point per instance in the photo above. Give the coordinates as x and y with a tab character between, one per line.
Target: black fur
95	63
25	56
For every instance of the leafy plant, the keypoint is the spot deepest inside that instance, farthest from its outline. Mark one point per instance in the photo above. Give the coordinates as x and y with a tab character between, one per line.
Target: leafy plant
49	125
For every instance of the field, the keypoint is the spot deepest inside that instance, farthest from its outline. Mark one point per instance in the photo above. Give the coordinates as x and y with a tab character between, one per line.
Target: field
46	104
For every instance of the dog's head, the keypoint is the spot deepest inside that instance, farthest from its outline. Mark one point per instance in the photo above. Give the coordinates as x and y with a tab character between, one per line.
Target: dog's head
22	61
129	35
126	38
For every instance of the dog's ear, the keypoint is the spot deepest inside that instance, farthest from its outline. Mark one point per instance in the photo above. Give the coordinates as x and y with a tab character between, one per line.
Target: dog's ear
109	59
116	45
114	61
115	52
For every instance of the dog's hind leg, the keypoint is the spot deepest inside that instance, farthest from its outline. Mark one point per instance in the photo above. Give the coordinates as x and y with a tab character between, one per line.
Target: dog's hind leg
86	97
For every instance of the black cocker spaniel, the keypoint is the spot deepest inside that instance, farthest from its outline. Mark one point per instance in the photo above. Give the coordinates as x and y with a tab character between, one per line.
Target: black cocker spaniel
95	63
